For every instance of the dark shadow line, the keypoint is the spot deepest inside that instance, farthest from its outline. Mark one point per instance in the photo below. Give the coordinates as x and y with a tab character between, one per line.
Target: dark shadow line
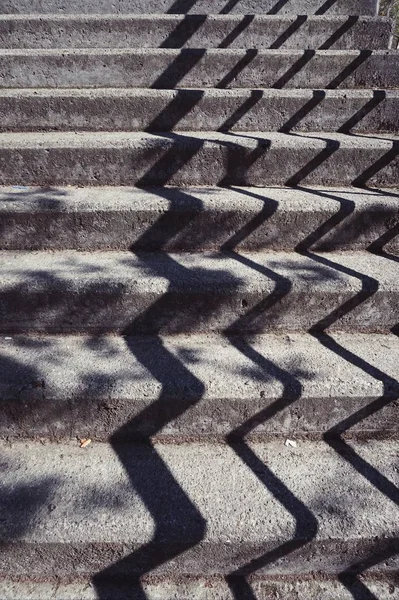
331	147
183	31
325	7
269	208
229	7
175	111
378	97
384	161
349	69
178	68
294	69
249	56
181	7
230	122
317	97
237	31
293	28
277	7
340	32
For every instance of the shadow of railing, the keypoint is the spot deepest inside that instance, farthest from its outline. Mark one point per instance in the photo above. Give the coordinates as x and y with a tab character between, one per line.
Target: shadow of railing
334	436
179	525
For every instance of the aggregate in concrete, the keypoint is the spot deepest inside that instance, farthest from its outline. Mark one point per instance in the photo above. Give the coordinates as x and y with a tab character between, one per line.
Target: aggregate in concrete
204	509
198	158
198	387
142	293
202	589
221	68
295	7
108	109
195	219
194	31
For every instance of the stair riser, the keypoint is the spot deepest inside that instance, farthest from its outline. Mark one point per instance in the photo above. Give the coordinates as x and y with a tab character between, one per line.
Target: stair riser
185	160
196	31
199	68
198	589
59	305
62	388
192	230
30	415
41	560
294	7
200	110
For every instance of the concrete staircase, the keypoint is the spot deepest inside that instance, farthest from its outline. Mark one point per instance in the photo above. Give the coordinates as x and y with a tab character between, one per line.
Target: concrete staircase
199	245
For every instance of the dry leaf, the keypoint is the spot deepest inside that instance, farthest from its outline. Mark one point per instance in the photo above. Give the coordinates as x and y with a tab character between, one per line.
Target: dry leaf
85	442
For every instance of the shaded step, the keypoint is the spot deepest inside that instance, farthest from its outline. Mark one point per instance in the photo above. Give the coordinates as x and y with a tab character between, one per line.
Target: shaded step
196	110
195	219
223	68
131	293
295	7
285	385
202	509
205	589
197	159
194	31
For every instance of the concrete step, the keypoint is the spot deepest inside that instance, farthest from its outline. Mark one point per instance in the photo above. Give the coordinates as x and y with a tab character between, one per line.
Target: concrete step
281	7
197	158
122	292
254	509
212	588
363	111
290	385
194	31
223	68
196	219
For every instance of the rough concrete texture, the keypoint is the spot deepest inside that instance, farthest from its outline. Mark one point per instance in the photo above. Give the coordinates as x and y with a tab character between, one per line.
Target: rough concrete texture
197	509
195	219
118	292
203	589
221	68
194	31
133	109
295	7
59	387
197	158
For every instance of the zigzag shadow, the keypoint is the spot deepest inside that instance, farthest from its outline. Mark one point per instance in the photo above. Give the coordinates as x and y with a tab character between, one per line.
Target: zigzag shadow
306	524
334	436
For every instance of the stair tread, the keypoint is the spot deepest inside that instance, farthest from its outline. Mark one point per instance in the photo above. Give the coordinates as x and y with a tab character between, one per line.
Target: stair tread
107	502
198	199
185	6
197	271
89	386
250	139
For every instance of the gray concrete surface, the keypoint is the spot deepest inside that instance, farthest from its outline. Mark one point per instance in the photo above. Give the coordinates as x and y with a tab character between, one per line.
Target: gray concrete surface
194	31
59	387
107	109
201	589
352	7
197	158
195	219
223	68
59	517
69	292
